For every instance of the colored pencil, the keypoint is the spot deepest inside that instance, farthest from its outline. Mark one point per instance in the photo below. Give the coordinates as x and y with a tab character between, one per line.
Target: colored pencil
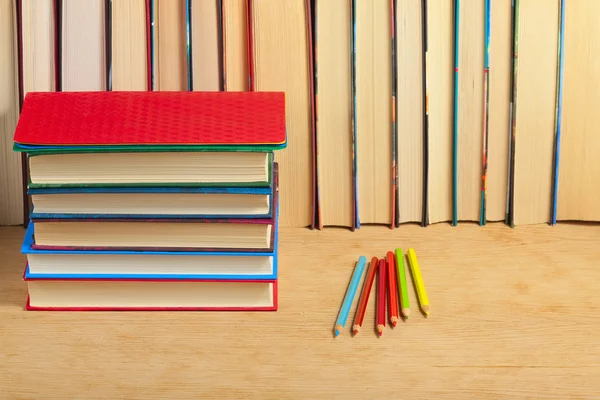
392	290
558	116
381	289
402	286
350	293
418	279
486	105
364	297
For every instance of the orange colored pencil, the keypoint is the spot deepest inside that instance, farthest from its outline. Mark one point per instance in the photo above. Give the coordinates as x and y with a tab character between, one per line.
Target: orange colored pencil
393	308
364	296
381	286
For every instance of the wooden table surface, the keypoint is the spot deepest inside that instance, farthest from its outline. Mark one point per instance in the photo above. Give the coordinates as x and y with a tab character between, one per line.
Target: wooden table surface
515	315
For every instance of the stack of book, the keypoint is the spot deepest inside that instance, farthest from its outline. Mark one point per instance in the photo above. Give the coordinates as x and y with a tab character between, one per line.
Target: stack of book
152	200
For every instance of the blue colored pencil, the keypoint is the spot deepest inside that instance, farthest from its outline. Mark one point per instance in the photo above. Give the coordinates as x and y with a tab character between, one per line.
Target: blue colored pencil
350	293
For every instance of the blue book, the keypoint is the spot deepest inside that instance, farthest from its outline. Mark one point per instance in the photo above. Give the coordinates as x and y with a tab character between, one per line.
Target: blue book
156	264
58	203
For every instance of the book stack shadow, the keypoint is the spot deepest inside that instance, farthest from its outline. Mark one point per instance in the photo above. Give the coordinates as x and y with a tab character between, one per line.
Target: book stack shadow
152	200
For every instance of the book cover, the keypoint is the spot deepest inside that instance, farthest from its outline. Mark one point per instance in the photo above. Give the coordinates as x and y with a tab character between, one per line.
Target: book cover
135	120
36	189
273	221
269	182
28	248
174	191
160	287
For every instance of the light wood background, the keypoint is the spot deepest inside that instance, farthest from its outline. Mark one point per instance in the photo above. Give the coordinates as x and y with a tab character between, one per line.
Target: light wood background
515	315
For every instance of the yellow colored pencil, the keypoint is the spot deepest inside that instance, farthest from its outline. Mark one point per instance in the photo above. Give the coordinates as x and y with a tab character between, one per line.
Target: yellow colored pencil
420	288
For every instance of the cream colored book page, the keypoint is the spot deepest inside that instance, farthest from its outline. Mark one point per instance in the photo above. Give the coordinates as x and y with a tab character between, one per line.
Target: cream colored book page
205	46
536	97
499	109
440	78
11	189
170	45
374	113
282	64
470	109
83	46
38	46
129	58
579	173
409	114
334	112
235	38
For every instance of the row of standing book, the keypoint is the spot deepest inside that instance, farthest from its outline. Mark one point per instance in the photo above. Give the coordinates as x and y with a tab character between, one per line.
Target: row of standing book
390	276
152	201
449	110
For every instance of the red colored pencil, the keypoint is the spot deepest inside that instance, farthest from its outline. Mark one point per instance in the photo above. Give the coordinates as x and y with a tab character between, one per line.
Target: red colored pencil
364	297
381	286
393	308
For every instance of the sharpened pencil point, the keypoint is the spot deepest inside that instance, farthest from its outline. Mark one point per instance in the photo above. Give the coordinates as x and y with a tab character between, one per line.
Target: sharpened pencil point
394	324
337	332
355	332
380	333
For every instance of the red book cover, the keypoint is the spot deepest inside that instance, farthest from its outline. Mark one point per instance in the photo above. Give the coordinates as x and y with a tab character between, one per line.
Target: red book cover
152	118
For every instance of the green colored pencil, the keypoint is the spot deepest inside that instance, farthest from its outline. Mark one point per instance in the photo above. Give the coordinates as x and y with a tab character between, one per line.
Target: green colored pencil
402	286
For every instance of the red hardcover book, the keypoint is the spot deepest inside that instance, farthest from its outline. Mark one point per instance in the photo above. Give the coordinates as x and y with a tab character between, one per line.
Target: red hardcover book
150	295
152	118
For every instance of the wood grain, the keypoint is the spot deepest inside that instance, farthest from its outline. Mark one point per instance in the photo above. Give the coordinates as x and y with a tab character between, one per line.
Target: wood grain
515	315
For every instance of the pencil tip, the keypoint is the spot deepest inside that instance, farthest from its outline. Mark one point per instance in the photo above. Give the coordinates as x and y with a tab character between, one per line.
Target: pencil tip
394	324
380	333
355	332
337	332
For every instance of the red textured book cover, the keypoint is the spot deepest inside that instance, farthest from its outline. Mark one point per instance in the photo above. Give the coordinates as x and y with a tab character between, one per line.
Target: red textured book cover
152	118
